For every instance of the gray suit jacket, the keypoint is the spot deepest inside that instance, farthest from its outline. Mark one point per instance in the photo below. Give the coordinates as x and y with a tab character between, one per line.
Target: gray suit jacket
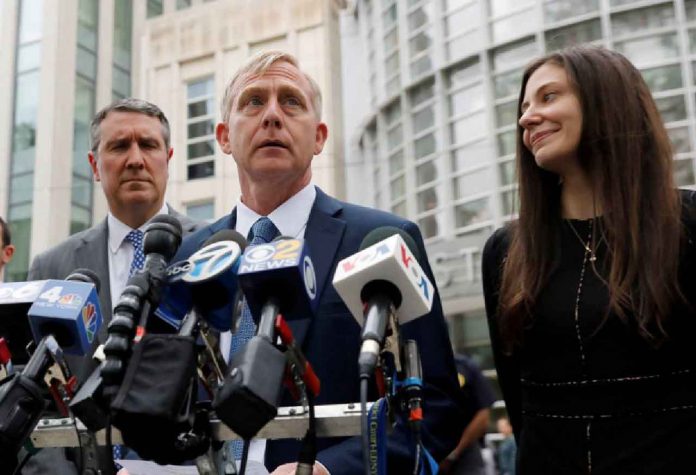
87	249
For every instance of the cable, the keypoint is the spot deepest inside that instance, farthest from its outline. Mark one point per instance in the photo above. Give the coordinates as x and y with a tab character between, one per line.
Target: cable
109	445
418	455
308	451
364	425
245	456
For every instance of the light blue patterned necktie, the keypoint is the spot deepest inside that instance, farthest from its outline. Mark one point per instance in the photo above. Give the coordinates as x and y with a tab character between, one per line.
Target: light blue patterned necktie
263	231
135	237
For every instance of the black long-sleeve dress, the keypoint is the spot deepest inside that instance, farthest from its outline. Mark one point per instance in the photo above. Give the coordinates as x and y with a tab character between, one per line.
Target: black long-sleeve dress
589	394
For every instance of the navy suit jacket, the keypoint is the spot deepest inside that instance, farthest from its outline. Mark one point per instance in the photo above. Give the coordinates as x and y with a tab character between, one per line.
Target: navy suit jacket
331	341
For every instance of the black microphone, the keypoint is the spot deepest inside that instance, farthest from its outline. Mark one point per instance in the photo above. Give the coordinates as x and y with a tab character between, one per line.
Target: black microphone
142	292
22	401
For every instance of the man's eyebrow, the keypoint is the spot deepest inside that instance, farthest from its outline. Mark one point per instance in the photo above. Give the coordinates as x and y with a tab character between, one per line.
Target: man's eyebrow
248	91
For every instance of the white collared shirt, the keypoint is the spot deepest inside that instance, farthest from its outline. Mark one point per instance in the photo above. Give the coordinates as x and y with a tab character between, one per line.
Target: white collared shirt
290	218
121	253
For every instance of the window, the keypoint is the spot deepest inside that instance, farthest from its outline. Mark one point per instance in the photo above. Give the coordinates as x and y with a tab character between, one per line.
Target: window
507	143
471	155
200	129
642	19
154	8
473	212
472	183
507	172
467	100
679	136
181	4
684	172
557	10
585	32
515	54
663	78
672	108
650	49
123	30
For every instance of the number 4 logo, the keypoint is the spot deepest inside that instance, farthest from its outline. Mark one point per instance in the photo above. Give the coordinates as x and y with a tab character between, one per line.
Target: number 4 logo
52	294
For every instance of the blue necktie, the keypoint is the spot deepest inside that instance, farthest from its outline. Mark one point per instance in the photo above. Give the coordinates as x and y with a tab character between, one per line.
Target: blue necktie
263	231
135	237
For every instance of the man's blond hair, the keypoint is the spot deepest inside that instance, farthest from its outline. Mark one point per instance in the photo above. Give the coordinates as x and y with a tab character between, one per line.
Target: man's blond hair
259	64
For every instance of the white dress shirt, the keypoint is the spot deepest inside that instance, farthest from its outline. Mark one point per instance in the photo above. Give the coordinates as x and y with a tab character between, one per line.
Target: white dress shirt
121	253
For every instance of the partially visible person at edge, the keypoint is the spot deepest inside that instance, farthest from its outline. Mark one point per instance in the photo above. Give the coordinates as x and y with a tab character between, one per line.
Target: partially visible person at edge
477	398
7	249
590	292
272	128
507	450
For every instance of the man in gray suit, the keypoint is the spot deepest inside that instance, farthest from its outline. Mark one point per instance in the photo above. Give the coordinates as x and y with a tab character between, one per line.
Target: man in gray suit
130	153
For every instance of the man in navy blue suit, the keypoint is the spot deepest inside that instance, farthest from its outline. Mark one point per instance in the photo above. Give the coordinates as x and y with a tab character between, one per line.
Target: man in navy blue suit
272	127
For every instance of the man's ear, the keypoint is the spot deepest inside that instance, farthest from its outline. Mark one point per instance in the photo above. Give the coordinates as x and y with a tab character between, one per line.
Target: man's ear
222	134
322	133
170	154
93	165
7	253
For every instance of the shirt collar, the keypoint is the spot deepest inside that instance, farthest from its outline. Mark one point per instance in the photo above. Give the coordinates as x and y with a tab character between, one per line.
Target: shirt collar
118	230
290	217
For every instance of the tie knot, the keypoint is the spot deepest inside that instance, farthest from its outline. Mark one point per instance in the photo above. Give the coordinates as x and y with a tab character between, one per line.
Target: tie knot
135	237
263	231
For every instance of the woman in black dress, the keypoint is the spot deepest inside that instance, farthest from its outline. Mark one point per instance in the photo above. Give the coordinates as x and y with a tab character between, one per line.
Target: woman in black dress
590	294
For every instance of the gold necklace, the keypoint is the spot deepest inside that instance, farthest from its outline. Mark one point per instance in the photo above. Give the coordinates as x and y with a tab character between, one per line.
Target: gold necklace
588	249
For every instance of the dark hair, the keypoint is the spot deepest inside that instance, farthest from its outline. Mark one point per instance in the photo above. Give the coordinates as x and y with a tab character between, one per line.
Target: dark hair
625	150
6	235
129	104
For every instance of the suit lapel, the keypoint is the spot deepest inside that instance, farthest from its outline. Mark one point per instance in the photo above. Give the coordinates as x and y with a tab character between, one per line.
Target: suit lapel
93	254
323	236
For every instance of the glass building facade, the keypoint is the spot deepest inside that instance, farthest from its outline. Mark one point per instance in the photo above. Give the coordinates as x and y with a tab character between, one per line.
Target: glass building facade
437	141
55	89
24	133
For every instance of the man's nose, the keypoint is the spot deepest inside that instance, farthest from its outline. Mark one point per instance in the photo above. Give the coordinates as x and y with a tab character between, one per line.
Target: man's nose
136	158
272	116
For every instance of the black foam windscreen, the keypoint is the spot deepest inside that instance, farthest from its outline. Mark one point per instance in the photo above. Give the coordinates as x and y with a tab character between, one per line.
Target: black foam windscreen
227	235
85	275
384	232
162	236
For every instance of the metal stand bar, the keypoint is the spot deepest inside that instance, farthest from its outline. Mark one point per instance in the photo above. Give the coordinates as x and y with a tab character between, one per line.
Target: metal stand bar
333	420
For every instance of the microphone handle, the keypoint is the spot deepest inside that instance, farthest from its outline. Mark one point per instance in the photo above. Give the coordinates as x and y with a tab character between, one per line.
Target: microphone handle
40	360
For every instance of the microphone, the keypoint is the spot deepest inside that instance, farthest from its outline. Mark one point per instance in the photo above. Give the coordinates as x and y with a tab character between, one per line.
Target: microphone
412	385
206	280
15	300
275	278
142	292
385	279
279	273
69	310
21	399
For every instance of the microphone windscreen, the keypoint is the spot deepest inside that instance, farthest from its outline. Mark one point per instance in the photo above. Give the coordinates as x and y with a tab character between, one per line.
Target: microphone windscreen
85	275
162	236
384	232
227	235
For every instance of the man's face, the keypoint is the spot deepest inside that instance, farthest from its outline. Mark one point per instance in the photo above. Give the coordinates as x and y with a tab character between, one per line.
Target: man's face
131	162
273	131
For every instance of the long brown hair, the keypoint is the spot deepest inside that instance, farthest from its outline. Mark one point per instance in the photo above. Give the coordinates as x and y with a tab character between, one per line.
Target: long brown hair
625	150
